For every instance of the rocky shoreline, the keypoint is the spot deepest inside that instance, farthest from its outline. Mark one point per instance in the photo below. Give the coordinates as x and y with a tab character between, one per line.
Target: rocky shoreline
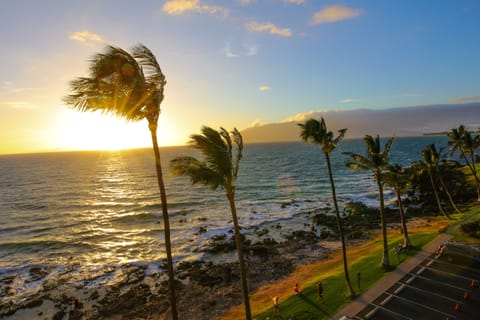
205	289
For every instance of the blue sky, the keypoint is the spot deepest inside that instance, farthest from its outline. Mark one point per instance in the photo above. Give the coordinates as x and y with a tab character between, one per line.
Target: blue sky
231	63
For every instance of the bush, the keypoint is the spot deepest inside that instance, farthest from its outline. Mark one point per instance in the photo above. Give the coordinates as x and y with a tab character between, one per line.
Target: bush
472	229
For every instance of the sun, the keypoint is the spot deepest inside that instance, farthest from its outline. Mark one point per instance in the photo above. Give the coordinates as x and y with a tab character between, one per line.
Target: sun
96	131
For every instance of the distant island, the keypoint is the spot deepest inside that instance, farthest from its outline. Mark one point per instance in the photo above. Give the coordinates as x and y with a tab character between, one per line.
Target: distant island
401	122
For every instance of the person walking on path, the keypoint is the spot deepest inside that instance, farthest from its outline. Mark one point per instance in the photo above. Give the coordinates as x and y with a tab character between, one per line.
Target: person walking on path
276	306
295	289
320	291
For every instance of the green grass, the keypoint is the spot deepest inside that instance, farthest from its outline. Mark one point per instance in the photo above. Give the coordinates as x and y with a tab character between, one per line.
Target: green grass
307	306
456	231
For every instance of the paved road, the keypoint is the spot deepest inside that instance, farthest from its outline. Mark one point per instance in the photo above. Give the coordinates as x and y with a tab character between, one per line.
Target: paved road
370	296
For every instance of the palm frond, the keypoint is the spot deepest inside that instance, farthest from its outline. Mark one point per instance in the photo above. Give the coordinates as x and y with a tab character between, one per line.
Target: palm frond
238	154
358	158
316	132
116	85
154	76
387	148
214	148
341	135
357	166
197	171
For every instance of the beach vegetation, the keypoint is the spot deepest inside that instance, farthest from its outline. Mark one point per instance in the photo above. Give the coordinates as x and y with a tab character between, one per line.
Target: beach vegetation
397	178
375	161
316	132
129	85
436	157
222	151
465	142
427	165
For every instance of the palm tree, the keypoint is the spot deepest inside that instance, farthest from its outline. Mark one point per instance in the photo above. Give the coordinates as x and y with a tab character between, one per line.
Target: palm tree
375	161
462	140
130	86
397	178
316	132
222	151
429	155
421	168
436	157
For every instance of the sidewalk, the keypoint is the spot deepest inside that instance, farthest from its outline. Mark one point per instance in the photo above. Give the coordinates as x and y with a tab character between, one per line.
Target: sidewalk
386	282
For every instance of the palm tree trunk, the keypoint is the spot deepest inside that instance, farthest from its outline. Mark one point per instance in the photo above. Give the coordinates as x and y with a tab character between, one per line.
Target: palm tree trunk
406	239
442	183
166	224
238	241
436	194
385	258
340	228
474	171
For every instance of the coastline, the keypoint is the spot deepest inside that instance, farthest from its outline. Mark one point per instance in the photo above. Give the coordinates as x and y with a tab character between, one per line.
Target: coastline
206	290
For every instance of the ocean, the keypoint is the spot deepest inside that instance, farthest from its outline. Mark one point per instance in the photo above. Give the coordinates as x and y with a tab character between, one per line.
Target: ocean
81	215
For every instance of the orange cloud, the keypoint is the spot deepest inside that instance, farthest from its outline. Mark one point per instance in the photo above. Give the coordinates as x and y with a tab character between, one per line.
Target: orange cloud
268	27
335	13
85	37
177	7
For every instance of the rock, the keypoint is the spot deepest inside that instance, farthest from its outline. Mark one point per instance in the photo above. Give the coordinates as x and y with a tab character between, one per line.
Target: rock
37	273
201	230
59	315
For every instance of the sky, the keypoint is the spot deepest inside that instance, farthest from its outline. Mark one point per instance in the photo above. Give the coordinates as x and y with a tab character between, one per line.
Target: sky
231	63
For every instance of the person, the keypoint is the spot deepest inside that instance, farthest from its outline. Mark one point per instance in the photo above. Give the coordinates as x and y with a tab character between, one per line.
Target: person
276	306
295	289
320	291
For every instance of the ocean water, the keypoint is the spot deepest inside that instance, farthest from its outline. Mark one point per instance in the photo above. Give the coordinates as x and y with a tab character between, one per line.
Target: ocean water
76	214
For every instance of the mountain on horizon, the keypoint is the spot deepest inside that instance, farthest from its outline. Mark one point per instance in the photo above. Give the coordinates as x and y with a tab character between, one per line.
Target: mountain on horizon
401	122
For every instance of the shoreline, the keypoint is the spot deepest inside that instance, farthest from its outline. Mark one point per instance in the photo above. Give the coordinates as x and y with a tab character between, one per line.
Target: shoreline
139	293
205	290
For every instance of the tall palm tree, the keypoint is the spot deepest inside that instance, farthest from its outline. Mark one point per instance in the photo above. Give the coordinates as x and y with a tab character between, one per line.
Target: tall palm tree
421	167
316	132
222	154
428	164
460	139
130	86
436	157
375	161
397	178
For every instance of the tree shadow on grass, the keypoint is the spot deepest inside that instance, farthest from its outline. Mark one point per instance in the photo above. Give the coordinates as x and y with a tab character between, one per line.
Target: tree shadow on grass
315	305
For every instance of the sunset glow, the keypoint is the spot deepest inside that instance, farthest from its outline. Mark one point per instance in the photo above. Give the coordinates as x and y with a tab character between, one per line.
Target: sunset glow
231	63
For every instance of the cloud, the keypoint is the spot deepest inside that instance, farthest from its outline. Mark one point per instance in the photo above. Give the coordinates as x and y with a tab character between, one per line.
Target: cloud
264	88
177	7
255	123
246	1
248	51
268	27
227	50
346	101
85	37
465	99
335	13
294	1
302	116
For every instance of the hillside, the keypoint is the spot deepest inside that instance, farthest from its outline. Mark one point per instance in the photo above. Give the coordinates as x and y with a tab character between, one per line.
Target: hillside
407	121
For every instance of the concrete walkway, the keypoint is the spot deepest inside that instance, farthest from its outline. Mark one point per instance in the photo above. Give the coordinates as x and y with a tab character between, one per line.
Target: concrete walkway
386	282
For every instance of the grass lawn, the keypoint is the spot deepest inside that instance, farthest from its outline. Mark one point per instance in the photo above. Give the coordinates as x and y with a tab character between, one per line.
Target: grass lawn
363	259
